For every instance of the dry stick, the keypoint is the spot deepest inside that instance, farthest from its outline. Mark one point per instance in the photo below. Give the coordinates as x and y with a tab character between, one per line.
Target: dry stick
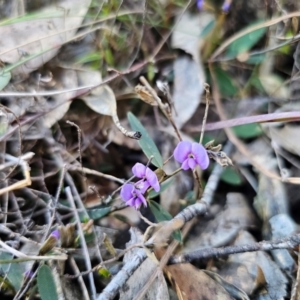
285	243
20	135
83	243
22	183
79	142
206	87
238	143
164	107
97	173
79	278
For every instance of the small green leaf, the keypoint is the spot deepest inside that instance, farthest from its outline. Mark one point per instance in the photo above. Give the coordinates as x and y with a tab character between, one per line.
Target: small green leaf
248	130
207	29
231	176
98	213
14	272
163	187
4	79
46	284
146	142
245	43
227	87
161	215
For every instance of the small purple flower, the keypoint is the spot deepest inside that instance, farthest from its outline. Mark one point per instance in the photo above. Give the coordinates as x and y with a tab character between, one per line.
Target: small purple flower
200	4
132	195
28	274
148	176
55	234
226	5
191	154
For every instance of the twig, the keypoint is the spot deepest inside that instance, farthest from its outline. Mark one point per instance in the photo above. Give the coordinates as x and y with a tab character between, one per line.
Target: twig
164	107
97	173
286	243
79	142
22	183
83	243
206	87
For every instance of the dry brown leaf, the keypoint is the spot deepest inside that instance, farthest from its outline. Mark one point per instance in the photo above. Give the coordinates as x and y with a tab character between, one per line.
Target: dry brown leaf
253	271
236	216
48	29
193	284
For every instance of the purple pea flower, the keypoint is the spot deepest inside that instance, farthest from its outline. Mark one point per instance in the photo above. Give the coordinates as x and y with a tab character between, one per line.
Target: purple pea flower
191	154
132	195
149	178
200	4
55	234
226	6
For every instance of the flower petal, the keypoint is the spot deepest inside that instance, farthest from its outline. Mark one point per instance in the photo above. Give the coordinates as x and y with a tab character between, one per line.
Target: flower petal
182	150
192	163
141	199
131	202
152	179
139	170
142	186
200	155
185	165
126	191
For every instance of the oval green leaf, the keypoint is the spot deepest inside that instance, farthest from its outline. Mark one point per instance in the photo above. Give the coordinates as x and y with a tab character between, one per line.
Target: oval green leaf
248	130
161	215
230	176
245	43
46	284
4	79
146	142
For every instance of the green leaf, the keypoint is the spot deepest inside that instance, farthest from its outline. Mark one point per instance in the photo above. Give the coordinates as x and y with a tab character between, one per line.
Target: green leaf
227	88
46	284
4	79
245	43
146	142
231	176
207	29
248	130
14	272
161	215
98	213
163	187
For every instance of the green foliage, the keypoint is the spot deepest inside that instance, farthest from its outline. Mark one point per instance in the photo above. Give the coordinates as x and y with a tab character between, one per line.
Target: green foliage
4	79
14	272
227	87
46	284
98	213
161	215
146	142
245	43
230	176
248	130
163	187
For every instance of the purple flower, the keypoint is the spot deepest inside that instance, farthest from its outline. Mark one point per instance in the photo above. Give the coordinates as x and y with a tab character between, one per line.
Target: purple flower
149	178
226	6
191	154
28	274
55	234
132	195
200	4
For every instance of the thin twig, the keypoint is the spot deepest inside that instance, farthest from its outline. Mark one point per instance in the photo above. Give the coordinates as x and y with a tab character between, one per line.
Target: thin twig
285	243
83	243
164	107
206	87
